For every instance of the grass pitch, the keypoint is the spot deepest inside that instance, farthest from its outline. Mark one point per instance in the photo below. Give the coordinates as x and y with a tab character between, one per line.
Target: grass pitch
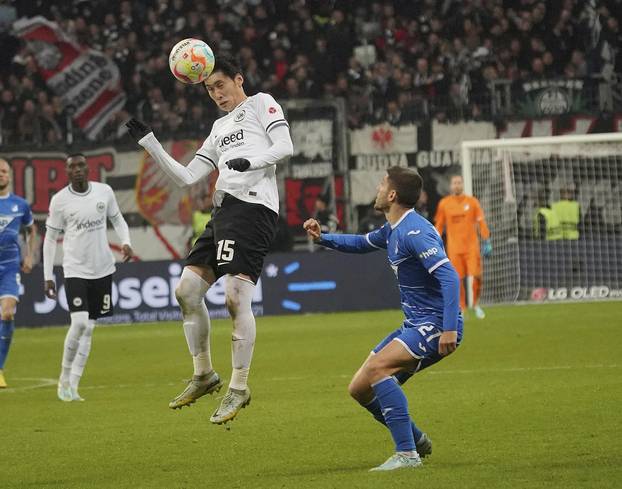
530	400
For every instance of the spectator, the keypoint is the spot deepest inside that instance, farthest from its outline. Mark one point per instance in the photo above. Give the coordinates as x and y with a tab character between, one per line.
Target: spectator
568	213
328	221
29	124
416	53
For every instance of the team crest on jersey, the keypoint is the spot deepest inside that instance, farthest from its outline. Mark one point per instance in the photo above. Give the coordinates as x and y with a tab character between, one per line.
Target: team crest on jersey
240	116
5	221
77	301
466	207
14	208
101	207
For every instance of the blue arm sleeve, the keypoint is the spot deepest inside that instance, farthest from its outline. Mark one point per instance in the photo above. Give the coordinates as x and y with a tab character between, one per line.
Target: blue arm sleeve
450	288
348	243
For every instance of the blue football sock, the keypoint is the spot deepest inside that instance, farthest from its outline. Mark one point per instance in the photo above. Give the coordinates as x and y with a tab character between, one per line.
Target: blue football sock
394	407
375	410
6	334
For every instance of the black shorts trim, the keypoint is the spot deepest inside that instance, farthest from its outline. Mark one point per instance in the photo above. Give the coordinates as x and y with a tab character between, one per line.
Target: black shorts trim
236	239
92	295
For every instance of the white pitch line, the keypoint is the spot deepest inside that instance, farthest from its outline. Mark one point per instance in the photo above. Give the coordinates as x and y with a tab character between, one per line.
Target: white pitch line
45	382
520	369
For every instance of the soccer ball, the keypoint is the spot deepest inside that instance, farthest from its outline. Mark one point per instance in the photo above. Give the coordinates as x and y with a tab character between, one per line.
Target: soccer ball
191	61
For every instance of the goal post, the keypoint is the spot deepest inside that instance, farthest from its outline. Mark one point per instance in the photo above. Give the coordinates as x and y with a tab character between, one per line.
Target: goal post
554	208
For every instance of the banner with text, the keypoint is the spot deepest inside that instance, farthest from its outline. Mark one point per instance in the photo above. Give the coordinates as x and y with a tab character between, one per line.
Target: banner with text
86	80
292	283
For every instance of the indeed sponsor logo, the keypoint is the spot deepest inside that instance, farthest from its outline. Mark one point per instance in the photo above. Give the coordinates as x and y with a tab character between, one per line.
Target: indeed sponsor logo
90	224
232	138
428	253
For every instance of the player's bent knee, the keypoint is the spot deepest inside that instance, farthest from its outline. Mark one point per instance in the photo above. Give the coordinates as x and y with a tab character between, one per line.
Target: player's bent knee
355	390
375	369
188	297
239	295
79	323
7	316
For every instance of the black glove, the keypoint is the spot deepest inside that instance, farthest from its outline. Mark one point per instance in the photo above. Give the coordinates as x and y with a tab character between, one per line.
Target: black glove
238	164
137	129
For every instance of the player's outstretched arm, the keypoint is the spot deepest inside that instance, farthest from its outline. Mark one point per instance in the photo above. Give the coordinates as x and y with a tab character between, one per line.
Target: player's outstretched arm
347	243
180	174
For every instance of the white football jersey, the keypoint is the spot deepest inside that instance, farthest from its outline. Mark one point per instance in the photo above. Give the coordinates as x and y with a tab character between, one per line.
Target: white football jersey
245	133
83	219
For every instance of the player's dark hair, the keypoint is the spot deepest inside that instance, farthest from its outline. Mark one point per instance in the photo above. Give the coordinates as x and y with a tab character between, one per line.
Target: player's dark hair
75	155
407	184
227	65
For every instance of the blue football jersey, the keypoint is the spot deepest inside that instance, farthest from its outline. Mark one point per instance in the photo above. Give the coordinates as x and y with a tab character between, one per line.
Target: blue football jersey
14	213
415	250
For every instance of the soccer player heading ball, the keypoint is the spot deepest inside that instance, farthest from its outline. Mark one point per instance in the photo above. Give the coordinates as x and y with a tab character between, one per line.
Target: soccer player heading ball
430	295
244	146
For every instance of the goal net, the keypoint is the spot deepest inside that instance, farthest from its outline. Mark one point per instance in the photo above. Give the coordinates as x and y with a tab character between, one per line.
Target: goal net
554	208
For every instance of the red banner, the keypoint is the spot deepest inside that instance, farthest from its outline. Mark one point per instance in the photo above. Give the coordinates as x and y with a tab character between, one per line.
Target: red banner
86	80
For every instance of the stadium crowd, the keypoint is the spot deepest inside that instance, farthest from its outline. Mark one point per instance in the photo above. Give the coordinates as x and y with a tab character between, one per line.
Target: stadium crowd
398	61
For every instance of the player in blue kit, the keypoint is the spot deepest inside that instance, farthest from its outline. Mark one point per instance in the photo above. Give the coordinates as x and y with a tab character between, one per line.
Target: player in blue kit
430	295
14	214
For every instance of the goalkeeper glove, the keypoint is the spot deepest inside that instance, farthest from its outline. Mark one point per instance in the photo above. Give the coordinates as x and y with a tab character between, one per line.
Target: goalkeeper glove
487	248
238	164
137	129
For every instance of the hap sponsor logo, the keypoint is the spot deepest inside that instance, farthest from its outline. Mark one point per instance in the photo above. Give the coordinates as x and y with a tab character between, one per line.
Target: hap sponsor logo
272	110
235	139
428	253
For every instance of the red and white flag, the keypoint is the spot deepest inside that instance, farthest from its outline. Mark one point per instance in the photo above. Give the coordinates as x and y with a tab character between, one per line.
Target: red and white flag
87	81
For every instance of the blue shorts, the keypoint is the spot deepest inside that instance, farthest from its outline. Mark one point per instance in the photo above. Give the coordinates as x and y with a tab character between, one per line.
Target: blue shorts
10	280
420	338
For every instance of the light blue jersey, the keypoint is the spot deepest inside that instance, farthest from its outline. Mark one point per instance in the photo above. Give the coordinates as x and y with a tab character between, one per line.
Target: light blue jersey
415	250
14	213
428	283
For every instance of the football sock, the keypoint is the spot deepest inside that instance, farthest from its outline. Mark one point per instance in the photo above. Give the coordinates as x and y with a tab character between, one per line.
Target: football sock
79	322
6	335
190	294
239	298
82	355
394	407
374	408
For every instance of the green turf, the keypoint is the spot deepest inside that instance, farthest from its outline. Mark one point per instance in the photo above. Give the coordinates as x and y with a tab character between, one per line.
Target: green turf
531	399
